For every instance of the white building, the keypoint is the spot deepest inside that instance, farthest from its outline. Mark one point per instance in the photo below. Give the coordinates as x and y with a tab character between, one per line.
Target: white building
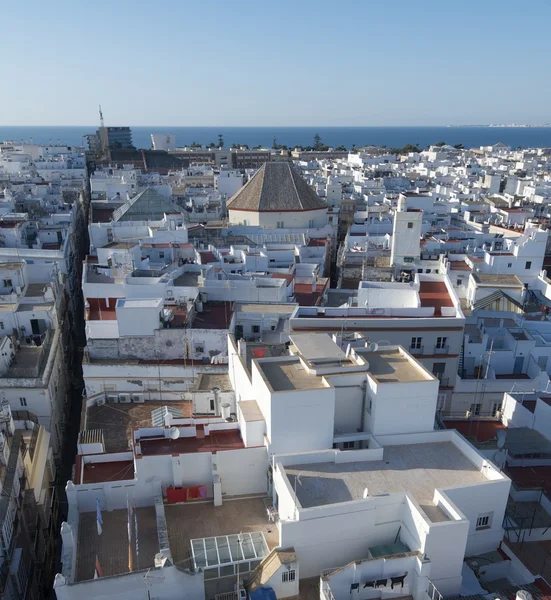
277	197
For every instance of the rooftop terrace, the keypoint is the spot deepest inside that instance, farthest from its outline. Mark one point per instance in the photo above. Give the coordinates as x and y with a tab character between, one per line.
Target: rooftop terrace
190	521
117	421
287	375
216	440
434	293
215	315
417	469
111	547
390	366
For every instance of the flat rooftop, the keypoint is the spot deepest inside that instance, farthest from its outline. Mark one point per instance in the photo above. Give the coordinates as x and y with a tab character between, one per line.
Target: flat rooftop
288	375
497	279
186	522
418	469
272	309
479	431
390	366
120	470
434	293
215	315
118	420
111	547
139	302
317	347
207	381
216	440
251	411
187	279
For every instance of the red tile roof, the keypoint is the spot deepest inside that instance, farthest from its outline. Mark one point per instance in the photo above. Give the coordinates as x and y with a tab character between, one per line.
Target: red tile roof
207	257
482	431
120	470
459	265
434	293
217	440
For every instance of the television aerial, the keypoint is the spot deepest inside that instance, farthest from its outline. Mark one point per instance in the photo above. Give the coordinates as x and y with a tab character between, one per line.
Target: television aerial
373	347
174	433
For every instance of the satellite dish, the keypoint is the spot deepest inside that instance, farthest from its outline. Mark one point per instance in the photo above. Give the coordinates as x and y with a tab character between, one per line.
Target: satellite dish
373	347
366	493
501	437
174	433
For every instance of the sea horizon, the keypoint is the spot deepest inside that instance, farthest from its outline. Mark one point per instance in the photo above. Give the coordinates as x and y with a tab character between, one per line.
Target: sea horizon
333	135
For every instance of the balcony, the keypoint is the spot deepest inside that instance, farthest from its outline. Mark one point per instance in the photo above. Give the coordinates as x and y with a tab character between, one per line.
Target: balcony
417	350
442	349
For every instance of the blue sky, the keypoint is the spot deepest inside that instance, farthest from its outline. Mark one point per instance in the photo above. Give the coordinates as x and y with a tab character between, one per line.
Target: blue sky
281	63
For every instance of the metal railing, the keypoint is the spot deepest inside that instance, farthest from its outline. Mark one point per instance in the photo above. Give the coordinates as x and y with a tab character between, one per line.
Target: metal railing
417	350
227	596
326	590
432	591
442	349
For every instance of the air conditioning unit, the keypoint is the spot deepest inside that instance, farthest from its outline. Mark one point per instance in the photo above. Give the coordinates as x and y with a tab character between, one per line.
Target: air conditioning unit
124	398
112	399
138	398
100	401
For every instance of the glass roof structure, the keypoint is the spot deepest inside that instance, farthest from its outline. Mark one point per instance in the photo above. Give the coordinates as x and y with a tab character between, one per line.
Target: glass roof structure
228	549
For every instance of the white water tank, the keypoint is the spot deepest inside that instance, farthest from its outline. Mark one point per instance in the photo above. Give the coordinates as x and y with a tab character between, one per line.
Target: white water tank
225	409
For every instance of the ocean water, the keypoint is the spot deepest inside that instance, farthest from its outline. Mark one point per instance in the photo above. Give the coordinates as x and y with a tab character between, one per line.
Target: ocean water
524	137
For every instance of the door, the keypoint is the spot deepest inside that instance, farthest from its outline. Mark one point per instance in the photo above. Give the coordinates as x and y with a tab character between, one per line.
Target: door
35	327
238	332
59	238
519	362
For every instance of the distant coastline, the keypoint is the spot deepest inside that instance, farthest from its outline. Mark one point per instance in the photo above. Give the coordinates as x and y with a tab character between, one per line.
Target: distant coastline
506	125
392	137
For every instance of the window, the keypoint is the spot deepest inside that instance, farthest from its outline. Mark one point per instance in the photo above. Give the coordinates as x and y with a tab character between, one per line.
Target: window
459	281
475	409
1	324
256	328
7	283
212	404
528	264
161	254
416	343
311	223
109	388
441	342
509	265
438	370
199	349
287	576
410	225
484	521
23	401
419	270
348	445
496	407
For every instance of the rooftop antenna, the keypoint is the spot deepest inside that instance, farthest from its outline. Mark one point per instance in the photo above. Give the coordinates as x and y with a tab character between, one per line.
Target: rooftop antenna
102	124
